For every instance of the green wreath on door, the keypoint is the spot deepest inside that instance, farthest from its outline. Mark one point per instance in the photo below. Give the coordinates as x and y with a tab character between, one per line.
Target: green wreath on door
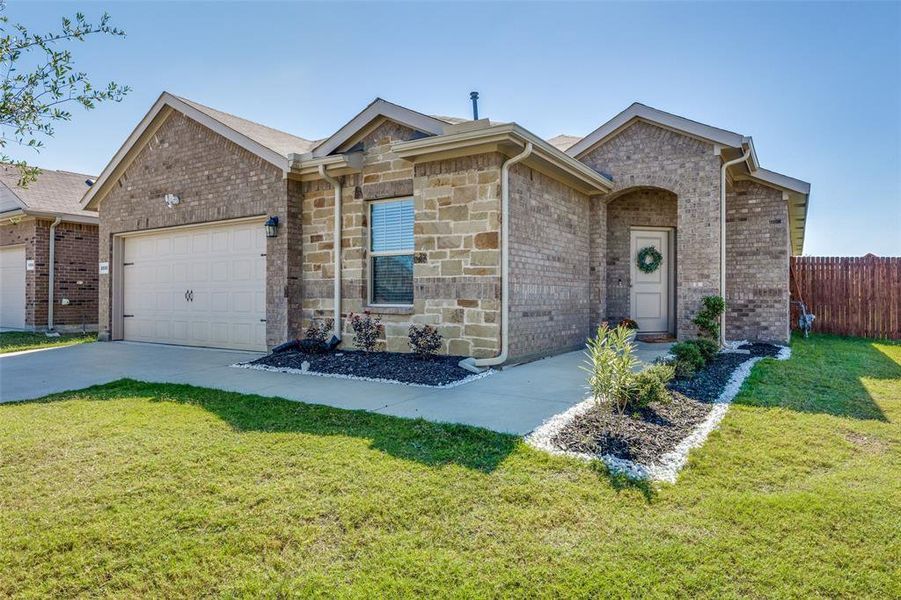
649	259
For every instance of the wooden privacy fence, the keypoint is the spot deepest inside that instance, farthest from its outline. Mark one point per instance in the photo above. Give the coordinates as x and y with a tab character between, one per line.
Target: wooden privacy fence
849	295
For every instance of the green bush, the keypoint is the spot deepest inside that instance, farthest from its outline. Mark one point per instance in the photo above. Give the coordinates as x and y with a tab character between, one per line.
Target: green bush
688	359
612	377
708	318
707	347
650	386
609	363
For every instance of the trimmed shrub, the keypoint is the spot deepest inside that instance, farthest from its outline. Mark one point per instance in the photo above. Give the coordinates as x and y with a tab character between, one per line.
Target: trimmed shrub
650	386
708	318
707	347
688	359
425	340
366	330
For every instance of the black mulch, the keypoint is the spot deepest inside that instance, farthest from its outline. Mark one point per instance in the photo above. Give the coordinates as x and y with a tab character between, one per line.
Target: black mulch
403	368
647	435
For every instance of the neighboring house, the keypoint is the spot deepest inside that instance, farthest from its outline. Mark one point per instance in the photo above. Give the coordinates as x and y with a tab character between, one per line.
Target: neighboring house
42	220
184	201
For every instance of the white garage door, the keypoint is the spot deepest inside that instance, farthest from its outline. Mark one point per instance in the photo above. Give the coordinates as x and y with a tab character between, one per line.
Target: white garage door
12	288
203	286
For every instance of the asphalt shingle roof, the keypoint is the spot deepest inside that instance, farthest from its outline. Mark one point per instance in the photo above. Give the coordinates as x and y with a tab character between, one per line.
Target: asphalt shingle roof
563	142
274	139
57	192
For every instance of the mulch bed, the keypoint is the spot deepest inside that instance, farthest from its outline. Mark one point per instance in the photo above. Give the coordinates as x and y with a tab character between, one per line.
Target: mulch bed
392	366
645	436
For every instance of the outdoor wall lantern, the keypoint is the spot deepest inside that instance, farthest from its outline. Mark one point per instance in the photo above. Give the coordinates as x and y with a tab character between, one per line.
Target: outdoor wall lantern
271	226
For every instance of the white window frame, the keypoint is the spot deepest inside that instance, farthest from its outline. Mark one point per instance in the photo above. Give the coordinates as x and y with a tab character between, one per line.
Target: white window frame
373	254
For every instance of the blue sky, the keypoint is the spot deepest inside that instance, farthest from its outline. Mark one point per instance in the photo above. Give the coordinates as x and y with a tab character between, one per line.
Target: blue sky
817	85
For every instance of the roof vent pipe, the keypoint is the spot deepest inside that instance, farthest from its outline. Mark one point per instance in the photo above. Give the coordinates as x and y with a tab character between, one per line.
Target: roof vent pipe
474	96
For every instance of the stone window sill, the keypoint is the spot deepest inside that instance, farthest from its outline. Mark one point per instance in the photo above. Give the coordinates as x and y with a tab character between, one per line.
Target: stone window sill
390	310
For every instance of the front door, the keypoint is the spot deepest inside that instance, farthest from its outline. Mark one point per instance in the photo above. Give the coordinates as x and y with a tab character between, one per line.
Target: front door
649	296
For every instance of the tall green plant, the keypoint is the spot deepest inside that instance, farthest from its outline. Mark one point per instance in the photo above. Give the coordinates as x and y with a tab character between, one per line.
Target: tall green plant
609	361
708	318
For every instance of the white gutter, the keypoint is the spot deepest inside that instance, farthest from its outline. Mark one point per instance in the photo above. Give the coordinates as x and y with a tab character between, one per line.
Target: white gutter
471	364
723	169
336	250
50	274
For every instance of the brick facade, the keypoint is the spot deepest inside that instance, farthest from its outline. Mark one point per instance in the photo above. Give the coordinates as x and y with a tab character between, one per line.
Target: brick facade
550	307
75	276
569	254
639	208
757	262
666	179
216	180
647	156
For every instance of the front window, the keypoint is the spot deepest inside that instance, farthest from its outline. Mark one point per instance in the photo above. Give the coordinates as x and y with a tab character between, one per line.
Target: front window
391	249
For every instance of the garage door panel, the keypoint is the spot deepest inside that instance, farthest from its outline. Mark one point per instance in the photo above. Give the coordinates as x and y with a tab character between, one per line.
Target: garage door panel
219	302
224	268
200	270
12	287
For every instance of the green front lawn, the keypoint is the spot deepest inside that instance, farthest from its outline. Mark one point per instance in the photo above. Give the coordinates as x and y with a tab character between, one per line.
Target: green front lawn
15	341
135	489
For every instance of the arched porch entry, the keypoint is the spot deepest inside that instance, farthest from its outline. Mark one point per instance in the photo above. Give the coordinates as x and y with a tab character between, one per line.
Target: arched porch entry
638	218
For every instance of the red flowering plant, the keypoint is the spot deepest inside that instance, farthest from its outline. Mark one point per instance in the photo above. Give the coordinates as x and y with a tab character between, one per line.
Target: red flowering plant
366	330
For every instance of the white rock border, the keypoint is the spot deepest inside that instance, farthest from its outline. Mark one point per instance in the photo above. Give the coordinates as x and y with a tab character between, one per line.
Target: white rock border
667	469
453	384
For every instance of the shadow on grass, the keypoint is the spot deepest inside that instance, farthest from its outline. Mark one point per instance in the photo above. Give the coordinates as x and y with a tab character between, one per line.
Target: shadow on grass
825	375
432	444
619	482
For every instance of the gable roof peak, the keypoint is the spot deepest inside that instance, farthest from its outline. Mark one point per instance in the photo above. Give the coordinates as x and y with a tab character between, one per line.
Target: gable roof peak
374	110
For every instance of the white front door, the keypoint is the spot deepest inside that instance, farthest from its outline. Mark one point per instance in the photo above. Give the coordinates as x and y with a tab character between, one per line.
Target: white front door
12	287
650	291
197	286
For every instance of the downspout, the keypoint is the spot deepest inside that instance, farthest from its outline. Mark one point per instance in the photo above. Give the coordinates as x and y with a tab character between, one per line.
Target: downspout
472	364
336	250
725	166
50	274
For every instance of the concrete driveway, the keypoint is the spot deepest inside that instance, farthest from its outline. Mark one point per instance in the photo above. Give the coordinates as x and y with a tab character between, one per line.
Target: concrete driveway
515	400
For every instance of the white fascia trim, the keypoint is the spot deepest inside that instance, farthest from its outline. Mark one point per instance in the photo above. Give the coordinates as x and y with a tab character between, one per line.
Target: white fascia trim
20	215
16	214
167	99
781	181
663	119
307	168
504	133
379	108
65	218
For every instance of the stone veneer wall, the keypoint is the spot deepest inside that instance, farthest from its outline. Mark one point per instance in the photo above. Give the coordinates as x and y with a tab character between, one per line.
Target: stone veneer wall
216	180
644	155
456	284
757	263
549	271
76	260
643	207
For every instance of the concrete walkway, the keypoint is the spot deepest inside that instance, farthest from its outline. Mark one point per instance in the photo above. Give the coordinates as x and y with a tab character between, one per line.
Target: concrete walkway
514	400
